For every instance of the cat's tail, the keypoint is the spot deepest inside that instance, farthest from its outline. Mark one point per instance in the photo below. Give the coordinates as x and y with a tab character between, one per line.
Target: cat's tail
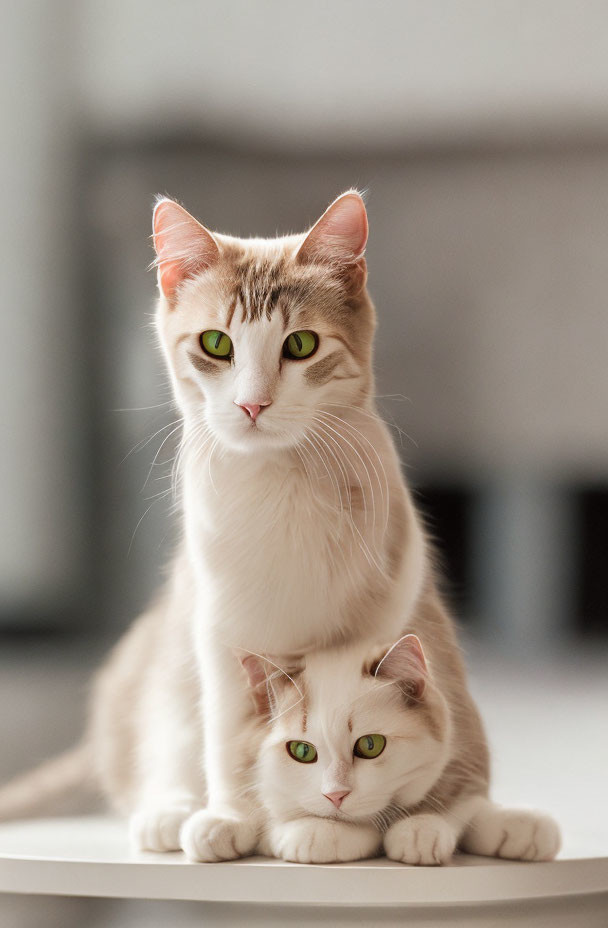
58	786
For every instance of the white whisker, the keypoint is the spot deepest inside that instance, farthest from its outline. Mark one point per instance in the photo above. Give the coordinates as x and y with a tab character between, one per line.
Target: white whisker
146	441
359	436
373	562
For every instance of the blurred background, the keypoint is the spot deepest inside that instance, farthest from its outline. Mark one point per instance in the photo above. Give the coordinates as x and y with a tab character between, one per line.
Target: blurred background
480	133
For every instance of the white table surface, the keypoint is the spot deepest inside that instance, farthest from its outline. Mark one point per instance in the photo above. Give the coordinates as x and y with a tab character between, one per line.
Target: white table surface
90	856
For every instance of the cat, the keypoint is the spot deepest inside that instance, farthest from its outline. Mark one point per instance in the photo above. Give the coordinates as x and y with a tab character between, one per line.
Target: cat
355	760
352	750
299	532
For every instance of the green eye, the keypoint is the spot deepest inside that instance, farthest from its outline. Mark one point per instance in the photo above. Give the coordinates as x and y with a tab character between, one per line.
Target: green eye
302	751
369	746
300	345
217	344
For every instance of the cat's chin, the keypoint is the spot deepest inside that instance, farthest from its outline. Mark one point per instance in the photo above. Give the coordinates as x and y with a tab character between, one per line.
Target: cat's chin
360	814
256	440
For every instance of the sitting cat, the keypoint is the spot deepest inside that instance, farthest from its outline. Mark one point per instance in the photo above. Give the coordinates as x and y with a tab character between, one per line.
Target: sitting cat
289	482
361	754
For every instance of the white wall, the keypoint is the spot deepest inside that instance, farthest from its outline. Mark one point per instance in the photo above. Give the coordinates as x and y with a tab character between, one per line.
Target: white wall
39	544
365	72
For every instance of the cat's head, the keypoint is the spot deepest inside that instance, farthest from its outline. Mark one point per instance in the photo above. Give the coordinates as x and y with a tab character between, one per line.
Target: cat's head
351	731
258	334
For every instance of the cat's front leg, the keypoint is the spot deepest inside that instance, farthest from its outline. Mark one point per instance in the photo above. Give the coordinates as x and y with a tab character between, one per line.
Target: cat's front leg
320	841
478	826
427	839
169	782
156	826
516	834
229	826
430	838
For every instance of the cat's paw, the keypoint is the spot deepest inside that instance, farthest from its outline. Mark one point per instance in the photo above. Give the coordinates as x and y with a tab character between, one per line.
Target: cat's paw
158	829
427	840
208	838
516	834
322	841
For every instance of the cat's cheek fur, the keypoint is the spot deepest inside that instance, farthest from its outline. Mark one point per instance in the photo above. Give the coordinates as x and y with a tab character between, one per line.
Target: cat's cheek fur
432	757
403	774
286	787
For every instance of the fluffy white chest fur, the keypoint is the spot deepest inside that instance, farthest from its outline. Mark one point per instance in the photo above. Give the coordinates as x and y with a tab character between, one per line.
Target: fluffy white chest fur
278	565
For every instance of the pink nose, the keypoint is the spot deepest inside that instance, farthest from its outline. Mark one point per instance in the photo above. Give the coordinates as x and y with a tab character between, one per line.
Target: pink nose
337	798
252	409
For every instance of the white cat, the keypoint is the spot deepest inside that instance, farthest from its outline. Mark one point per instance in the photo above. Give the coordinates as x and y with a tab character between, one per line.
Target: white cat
353	761
298	533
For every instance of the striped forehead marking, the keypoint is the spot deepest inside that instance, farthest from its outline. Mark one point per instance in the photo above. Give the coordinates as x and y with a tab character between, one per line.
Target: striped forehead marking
258	289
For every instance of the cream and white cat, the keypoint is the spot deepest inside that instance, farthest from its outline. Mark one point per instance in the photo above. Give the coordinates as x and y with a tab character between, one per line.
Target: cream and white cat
298	532
356	759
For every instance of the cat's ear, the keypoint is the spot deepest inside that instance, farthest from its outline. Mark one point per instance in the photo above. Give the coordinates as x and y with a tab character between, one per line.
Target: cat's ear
339	238
183	246
405	664
266	681
255	668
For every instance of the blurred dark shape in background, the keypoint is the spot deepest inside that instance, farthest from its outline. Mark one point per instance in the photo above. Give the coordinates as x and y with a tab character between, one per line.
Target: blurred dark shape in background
480	132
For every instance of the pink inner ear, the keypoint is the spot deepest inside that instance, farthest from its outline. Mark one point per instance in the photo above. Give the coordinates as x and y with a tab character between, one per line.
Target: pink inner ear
255	670
183	246
256	674
170	274
340	234
404	661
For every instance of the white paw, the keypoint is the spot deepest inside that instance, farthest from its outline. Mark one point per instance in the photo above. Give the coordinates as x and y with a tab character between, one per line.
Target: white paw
421	839
208	838
321	841
516	834
158	829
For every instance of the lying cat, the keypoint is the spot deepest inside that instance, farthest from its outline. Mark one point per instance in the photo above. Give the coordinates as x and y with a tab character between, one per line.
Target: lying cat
298	533
361	754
